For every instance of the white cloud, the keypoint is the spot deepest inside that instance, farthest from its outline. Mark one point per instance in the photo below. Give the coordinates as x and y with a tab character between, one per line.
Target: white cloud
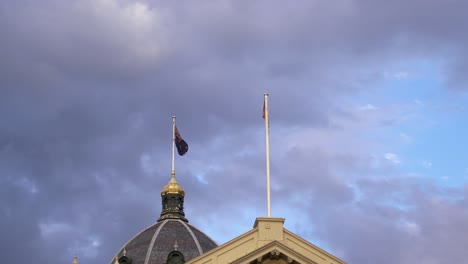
392	157
418	102
426	164
147	164
411	228
51	228
401	75
404	137
368	107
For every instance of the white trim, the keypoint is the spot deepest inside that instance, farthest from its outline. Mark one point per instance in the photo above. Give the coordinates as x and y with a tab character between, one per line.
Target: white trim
193	236
118	252
150	248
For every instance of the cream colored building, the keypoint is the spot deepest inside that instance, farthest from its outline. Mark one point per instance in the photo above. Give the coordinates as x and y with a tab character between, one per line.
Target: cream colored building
268	242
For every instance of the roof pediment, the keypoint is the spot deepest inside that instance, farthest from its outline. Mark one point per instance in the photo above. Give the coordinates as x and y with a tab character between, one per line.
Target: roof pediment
267	243
274	252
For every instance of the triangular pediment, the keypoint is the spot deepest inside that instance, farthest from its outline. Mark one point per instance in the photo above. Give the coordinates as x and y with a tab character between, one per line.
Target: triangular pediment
274	252
267	243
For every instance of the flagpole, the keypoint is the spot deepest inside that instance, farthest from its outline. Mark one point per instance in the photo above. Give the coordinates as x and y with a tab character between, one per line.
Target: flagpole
267	143
173	147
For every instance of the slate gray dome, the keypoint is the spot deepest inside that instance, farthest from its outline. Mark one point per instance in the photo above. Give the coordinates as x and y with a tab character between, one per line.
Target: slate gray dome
171	233
153	244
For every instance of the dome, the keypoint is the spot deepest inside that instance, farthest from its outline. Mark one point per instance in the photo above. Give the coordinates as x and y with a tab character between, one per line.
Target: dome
153	245
170	236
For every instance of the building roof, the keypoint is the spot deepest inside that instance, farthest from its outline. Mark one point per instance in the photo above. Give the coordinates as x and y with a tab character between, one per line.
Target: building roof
171	233
267	242
153	245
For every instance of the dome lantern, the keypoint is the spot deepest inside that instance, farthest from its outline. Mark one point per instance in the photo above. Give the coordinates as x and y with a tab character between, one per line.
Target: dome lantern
172	197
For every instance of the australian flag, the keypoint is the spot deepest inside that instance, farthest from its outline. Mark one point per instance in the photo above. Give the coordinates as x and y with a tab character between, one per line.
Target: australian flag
182	146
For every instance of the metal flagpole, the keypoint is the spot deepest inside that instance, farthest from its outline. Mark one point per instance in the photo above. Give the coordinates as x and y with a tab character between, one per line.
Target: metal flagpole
267	143
173	147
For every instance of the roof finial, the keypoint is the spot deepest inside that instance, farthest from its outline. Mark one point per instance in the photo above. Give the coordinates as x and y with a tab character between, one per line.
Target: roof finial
75	260
124	252
116	260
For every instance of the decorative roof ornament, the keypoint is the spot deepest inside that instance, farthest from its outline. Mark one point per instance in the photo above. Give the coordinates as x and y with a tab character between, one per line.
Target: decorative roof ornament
123	259
176	247
75	260
173	187
172	196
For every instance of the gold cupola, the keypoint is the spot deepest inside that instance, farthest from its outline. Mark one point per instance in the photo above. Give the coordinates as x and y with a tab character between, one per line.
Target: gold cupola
172	196
173	187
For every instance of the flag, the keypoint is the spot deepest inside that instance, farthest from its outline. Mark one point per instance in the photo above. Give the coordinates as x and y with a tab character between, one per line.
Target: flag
182	146
263	114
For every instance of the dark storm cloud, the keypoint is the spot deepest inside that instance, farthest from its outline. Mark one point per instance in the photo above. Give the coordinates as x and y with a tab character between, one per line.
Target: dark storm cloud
88	88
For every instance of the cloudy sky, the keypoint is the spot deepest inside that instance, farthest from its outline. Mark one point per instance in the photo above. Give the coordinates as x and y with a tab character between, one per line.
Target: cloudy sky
368	112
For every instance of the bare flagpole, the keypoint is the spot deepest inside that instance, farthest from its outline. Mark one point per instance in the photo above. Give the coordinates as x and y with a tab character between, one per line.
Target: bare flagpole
173	147
267	143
